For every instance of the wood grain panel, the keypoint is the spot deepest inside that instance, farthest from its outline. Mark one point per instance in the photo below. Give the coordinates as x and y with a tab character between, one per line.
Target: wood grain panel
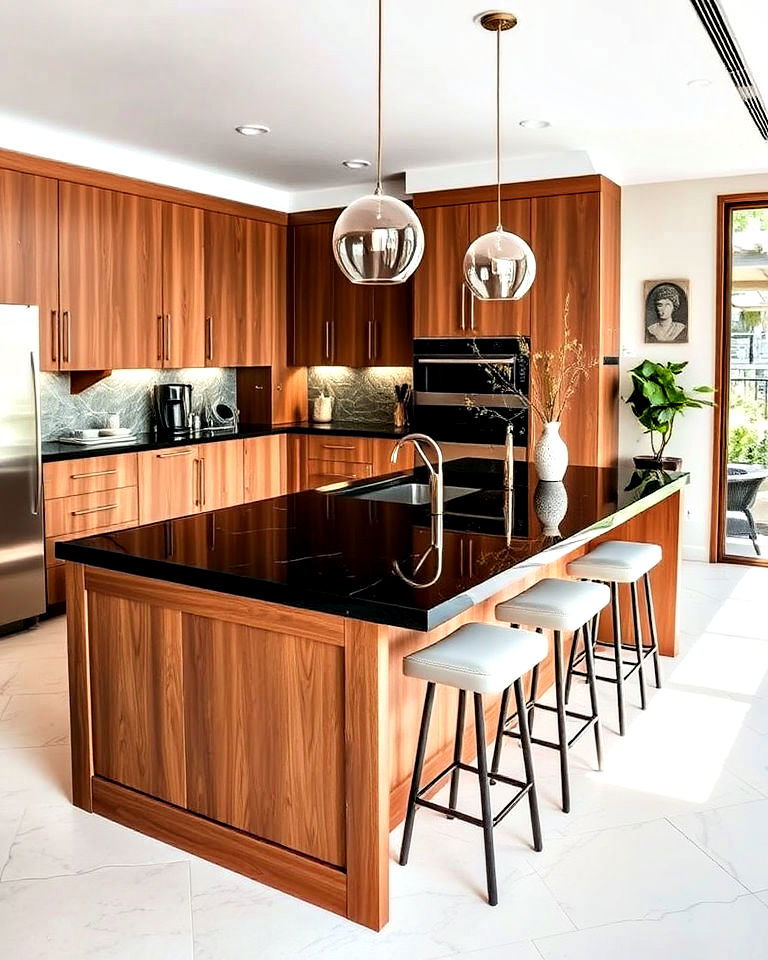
207	603
266	709
261	861
50	543
367	734
439	299
88	511
29	246
490	318
79	686
168	483
339	448
392	336
312	294
55	584
381	463
136	695
62	478
222	479
265	467
558	186
322	472
183	287
86	263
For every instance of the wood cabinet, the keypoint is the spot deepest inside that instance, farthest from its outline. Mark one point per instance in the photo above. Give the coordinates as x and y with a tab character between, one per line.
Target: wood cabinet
169	481
182	326
265	467
29	253
243	299
220	474
336	322
441	305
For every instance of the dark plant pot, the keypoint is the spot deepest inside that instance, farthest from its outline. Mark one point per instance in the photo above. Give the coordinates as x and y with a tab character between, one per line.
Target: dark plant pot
652	463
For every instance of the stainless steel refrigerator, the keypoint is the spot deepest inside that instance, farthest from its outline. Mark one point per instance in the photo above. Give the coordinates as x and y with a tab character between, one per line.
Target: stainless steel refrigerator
22	547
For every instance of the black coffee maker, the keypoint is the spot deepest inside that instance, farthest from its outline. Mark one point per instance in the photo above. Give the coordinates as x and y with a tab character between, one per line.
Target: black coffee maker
173	409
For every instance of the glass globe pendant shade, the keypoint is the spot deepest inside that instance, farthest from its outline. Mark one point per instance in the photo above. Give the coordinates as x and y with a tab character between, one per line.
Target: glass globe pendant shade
499	266
378	239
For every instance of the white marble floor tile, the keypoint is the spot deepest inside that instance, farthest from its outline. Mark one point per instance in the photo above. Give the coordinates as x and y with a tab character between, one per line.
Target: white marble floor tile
62	839
35	775
35	720
34	676
763	895
4	701
631	873
10	817
727	664
736	837
748	757
508	951
117	913
703	931
48	639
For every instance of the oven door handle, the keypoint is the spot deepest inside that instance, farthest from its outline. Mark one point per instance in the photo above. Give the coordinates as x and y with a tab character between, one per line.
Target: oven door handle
479	361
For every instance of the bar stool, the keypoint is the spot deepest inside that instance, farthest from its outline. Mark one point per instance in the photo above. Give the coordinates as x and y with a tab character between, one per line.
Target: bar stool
561	606
615	562
479	658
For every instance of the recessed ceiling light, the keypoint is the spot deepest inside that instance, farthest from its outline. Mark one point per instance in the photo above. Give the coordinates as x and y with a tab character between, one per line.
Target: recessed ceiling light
535	124
356	164
251	129
699	83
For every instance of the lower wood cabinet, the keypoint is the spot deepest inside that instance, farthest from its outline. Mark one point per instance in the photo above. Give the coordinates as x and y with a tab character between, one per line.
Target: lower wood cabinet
169	484
220	474
265	467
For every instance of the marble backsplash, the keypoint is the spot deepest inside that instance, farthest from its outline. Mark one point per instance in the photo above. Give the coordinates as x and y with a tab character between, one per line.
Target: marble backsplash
363	395
126	392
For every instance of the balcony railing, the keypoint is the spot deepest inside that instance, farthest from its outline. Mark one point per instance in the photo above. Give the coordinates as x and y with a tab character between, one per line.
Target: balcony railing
752	390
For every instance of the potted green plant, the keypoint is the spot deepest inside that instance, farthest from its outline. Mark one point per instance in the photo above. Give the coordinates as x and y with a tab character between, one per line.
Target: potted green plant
657	399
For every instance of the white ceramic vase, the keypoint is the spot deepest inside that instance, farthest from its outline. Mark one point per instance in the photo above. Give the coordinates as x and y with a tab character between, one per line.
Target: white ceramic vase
551	453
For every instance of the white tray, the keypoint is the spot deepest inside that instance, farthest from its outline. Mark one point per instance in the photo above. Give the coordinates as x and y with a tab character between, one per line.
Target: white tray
97	441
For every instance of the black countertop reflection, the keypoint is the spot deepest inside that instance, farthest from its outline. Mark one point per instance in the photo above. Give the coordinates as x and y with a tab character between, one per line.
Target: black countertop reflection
330	551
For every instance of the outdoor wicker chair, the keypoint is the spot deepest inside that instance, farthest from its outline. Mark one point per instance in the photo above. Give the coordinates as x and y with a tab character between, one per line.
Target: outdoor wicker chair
743	485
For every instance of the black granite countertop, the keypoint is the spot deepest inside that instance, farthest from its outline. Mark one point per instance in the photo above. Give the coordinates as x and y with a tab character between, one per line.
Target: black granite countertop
53	450
332	551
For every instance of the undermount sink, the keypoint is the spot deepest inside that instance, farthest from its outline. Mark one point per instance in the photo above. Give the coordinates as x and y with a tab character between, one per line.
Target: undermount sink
415	494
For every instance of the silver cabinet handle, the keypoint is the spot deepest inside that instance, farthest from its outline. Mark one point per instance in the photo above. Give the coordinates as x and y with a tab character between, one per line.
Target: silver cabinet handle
176	453
209	338
463	306
471	310
471	558
337	446
333	341
167	338
160	338
96	473
82	513
55	334
38	442
66	336
370	339
202	482
327	339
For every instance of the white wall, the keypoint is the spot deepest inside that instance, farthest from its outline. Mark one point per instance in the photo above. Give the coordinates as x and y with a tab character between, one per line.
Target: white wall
669	231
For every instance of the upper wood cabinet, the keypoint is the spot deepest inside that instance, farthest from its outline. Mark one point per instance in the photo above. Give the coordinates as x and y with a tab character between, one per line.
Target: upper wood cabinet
182	326
339	323
29	253
441	306
244	276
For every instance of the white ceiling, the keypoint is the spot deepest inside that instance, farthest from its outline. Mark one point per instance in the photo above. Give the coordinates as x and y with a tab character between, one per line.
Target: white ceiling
171	78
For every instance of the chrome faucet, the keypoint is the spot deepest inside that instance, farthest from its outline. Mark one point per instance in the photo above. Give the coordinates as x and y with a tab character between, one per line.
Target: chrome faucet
435	475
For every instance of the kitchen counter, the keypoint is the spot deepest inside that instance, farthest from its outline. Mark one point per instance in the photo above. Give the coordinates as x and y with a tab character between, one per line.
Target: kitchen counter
236	684
53	450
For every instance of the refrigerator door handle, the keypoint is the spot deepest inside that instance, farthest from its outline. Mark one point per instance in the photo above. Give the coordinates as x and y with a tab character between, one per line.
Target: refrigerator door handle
38	444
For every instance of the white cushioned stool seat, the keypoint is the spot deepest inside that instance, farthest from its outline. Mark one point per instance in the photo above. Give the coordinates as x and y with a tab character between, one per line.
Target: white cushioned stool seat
555	604
479	657
617	561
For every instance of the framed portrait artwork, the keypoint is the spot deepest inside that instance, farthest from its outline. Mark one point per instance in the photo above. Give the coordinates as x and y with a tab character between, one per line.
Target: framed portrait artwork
666	311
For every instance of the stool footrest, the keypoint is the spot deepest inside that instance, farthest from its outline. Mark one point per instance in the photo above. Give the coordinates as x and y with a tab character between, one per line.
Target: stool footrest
588	723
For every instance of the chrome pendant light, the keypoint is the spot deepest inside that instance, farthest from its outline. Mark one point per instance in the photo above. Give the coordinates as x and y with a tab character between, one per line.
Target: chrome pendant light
499	265
378	239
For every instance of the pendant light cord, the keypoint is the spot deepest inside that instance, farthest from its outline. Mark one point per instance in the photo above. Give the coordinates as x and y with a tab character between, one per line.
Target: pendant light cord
378	189
498	126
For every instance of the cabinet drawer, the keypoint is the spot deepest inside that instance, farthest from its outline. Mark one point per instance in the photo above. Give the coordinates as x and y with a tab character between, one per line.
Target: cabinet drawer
90	511
320	472
66	478
355	449
50	544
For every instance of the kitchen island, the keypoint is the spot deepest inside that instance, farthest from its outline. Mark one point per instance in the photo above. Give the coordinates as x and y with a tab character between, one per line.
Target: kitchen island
235	678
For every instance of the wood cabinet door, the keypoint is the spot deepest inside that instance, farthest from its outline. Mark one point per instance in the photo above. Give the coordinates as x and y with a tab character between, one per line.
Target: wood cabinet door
352	330
391	343
183	323
135	277
265	467
239	255
221	480
312	279
500	318
29	243
441	300
169	484
563	268
86	262
135	652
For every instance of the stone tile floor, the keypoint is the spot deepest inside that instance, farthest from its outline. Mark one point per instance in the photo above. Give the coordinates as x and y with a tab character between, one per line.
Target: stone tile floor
664	854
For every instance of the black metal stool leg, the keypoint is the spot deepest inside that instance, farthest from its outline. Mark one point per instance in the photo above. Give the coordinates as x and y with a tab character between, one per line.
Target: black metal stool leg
461	708
418	766
534	691
638	641
571	658
616	615
525	742
500	733
589	649
652	624
562	734
485	801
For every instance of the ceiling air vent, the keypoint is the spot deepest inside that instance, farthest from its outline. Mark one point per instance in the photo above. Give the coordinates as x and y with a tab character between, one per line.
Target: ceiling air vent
714	22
